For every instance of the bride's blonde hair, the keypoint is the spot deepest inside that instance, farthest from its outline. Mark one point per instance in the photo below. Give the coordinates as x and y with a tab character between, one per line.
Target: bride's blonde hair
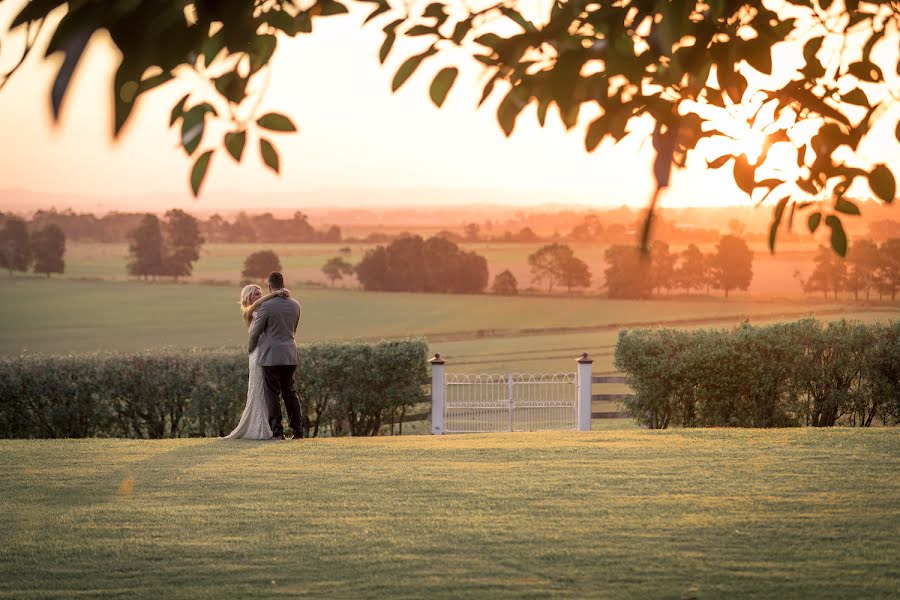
247	294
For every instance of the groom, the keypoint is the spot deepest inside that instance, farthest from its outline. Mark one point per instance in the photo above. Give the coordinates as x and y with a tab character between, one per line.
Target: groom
278	319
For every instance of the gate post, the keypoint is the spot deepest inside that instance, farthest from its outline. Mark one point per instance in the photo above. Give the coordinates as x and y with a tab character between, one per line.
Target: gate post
437	394
584	392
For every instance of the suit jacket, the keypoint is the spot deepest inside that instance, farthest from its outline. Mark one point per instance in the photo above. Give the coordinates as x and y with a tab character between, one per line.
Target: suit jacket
278	319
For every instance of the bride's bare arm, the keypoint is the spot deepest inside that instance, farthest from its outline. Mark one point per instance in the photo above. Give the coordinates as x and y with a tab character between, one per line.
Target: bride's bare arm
247	312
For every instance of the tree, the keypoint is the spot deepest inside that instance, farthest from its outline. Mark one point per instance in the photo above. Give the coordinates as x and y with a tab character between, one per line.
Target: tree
412	264
181	243
865	263
145	249
505	284
588	230
890	266
829	274
691	273
687	67
627	273
336	268
15	247
556	263
733	264
259	264
48	245
662	266
472	232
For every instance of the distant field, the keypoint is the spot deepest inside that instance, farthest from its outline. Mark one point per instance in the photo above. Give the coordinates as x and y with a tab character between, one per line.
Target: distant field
791	513
774	275
475	333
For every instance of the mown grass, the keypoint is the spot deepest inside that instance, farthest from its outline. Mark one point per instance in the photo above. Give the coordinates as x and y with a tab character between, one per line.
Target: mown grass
774	274
57	316
614	514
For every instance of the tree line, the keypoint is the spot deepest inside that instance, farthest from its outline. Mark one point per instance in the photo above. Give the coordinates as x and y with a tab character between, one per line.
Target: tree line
116	227
166	248
42	250
869	268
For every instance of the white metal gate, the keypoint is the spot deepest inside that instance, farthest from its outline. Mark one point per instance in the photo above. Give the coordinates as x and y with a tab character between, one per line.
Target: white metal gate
514	402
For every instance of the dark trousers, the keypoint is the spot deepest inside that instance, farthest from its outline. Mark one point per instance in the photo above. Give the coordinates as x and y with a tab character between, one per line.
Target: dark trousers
280	382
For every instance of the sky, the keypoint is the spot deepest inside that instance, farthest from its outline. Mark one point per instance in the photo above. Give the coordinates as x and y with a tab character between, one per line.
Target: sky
358	143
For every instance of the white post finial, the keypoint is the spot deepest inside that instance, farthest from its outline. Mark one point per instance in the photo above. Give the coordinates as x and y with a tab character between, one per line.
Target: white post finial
437	395
584	392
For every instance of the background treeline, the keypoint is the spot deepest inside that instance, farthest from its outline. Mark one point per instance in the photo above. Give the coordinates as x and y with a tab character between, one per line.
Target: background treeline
868	269
345	389
41	249
243	228
782	375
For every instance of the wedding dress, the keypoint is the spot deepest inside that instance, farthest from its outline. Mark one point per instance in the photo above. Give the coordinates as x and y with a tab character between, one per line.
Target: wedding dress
254	423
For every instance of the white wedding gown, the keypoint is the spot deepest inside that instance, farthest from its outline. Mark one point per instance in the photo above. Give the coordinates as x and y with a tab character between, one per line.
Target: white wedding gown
254	423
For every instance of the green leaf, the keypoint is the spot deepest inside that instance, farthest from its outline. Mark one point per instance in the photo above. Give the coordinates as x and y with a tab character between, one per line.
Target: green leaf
813	221
276	122
461	29
866	71
212	46
595	132
390	36
193	123
198	173
303	22
409	67
263	47
838	236
759	56
234	143
856	96
417	30
178	110
382	8
881	180
521	21
269	154
441	85
331	7
509	109
846	207
773	228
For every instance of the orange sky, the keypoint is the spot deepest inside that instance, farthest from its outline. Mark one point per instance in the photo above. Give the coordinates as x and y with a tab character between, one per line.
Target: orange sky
354	135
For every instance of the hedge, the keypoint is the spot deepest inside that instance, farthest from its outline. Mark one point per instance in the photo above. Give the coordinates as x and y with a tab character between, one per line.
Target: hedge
782	375
345	388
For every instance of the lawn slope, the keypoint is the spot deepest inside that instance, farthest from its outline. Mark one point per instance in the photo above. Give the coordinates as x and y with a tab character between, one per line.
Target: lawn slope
613	514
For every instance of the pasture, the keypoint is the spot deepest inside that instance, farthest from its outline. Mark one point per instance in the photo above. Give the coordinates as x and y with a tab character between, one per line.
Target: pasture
773	274
482	332
796	513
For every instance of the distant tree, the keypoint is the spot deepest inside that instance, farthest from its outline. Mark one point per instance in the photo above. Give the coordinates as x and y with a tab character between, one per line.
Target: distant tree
733	264
449	235
181	243
890	267
505	284
472	232
662	266
347	250
336	268
332	235
48	245
145	249
259	264
691	272
627	273
737	228
829	274
588	230
865	263
710	274
556	263
413	264
884	230
15	247
574	273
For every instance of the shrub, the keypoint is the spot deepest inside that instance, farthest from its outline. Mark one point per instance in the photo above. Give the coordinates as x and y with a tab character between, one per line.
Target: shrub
779	375
181	393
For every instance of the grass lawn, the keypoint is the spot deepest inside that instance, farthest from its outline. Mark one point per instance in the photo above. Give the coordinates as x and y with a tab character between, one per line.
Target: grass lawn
58	316
613	514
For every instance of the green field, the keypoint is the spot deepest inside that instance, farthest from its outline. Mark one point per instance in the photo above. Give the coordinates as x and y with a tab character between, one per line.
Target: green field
475	333
773	275
797	513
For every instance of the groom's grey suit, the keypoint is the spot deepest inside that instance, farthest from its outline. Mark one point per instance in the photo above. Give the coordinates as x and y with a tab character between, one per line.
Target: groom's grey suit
273	330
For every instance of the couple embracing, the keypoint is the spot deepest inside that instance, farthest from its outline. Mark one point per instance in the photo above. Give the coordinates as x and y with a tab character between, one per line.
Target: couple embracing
272	322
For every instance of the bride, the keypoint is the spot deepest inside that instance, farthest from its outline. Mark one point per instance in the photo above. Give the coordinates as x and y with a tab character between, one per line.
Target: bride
254	423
